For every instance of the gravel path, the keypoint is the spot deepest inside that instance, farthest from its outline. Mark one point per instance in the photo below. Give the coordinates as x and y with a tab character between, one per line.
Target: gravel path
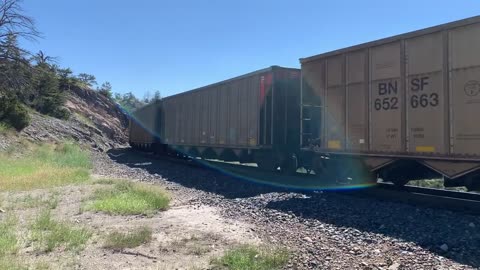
324	230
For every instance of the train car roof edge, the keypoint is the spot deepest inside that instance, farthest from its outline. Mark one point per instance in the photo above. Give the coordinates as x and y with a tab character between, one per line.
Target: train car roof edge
387	40
271	68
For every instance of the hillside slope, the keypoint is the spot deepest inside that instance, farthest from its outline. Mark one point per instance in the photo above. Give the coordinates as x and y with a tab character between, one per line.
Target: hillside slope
95	121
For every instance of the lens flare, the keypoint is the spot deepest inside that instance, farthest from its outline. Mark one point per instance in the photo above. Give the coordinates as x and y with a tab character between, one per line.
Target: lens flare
343	180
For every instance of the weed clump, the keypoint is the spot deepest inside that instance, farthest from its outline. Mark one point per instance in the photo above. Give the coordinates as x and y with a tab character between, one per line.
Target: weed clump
250	257
119	240
50	234
8	239
128	198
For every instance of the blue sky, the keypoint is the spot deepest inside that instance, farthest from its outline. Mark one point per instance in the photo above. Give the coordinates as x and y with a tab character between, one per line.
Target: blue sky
174	46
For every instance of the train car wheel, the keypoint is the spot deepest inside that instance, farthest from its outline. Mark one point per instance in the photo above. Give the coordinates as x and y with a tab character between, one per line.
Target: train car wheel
318	165
267	165
289	165
399	182
361	174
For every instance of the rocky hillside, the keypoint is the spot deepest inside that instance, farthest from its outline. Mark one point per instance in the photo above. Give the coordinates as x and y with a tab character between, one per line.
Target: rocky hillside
95	121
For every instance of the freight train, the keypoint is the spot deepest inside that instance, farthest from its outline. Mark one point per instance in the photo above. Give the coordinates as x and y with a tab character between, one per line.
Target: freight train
401	108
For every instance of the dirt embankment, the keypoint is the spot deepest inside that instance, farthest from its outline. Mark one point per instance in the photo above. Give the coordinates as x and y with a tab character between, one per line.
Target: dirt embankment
96	121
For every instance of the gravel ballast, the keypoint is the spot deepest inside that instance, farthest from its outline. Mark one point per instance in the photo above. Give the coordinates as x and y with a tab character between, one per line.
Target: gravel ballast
324	230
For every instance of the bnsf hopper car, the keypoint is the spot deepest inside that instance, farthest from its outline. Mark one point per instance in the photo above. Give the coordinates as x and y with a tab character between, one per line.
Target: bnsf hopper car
251	118
403	107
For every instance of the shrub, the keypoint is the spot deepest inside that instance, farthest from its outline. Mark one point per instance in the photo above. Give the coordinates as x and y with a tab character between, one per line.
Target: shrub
61	113
13	113
50	98
4	128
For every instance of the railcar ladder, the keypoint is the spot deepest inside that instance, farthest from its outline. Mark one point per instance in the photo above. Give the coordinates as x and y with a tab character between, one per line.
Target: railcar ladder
311	116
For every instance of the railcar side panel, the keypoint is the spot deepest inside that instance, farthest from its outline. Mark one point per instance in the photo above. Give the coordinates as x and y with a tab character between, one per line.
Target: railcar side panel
143	125
423	95
426	113
253	89
223	115
242	113
357	101
192	116
386	101
233	114
465	82
213	105
335	98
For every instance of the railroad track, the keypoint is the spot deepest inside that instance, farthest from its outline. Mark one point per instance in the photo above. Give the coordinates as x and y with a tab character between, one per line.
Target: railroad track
433	191
427	197
466	202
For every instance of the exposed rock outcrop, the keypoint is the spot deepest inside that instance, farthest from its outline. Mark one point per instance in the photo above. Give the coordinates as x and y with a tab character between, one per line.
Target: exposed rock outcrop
100	111
95	120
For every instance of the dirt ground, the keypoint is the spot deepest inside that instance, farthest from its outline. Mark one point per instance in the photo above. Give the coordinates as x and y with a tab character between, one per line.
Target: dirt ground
186	236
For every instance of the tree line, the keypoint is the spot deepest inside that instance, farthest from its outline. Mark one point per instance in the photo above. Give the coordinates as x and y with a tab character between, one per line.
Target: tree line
31	81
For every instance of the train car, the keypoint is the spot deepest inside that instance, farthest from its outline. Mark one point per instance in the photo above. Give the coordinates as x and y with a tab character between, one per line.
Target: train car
250	118
143	126
402	107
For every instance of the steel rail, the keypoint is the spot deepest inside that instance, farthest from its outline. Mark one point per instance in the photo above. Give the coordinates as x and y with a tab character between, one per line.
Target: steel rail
457	201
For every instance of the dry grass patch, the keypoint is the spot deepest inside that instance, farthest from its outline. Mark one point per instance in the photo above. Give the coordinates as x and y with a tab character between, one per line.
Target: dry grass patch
11	264
8	238
119	240
128	198
9	244
195	244
31	201
45	166
253	258
50	234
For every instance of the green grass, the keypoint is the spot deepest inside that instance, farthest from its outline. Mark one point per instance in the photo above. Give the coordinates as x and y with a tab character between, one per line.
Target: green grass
11	263
41	266
434	183
105	182
5	129
8	238
67	154
119	240
30	201
252	258
44	166
127	198
9	244
49	234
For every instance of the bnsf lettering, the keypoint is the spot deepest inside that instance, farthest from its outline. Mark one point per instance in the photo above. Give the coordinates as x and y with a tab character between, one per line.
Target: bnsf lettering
387	88
422	100
419	84
387	103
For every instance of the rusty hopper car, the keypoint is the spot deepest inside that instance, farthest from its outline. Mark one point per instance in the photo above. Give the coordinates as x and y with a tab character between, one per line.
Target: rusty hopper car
250	118
404	107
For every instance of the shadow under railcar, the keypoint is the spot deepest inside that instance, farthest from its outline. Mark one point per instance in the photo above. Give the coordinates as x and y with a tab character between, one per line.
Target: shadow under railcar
427	228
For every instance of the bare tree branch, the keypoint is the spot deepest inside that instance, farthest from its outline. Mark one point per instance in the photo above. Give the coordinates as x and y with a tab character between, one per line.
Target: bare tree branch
14	22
